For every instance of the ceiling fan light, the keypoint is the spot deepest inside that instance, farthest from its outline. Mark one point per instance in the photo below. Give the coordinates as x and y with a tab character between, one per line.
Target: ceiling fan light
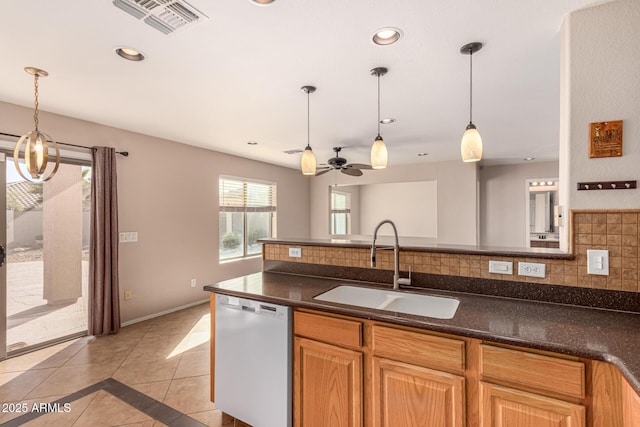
379	155
471	146
308	162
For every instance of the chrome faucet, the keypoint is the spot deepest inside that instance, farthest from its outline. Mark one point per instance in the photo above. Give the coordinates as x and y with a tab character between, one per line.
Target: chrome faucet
396	255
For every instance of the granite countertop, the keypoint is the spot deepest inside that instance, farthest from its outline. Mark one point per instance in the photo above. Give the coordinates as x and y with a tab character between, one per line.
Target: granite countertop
425	245
607	335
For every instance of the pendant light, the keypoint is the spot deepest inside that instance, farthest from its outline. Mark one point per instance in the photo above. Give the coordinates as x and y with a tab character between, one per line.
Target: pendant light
471	146
36	150
379	155
308	160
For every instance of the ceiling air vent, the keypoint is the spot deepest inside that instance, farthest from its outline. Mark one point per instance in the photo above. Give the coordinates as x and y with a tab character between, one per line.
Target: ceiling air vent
294	151
166	16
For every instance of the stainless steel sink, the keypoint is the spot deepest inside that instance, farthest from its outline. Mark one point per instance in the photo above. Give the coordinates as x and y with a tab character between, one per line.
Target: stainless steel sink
388	300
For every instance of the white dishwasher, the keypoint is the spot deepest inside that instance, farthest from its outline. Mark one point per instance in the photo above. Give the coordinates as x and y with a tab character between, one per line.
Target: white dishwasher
253	361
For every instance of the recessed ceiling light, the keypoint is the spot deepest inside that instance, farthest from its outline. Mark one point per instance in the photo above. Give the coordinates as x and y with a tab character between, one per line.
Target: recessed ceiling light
262	2
130	54
386	36
387	121
252	142
422	154
528	159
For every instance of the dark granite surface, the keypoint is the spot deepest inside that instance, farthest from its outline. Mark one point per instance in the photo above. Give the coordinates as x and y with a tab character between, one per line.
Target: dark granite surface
561	294
608	335
427	245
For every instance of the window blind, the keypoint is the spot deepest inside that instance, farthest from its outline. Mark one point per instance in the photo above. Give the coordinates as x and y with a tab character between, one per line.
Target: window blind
340	202
244	196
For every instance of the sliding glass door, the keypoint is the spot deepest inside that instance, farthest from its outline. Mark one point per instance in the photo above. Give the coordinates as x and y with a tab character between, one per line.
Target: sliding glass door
46	236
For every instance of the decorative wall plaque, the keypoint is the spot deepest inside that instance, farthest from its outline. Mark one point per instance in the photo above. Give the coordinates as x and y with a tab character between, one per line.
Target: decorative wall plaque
605	139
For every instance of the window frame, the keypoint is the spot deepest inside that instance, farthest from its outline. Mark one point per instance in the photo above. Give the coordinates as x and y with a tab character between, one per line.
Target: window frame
234	205
346	211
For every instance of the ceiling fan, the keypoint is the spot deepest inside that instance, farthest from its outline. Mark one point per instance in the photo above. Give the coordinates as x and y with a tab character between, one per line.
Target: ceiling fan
340	163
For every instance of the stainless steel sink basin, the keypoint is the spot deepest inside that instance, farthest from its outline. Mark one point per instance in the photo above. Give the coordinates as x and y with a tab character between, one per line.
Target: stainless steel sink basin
388	300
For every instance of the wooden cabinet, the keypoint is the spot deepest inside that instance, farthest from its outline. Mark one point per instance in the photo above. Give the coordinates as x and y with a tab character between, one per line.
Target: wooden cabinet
630	405
418	378
410	395
327	375
505	407
526	389
328	385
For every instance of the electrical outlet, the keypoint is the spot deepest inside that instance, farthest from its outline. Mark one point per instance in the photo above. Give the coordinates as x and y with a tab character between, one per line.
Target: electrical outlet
501	267
128	294
295	252
532	269
194	282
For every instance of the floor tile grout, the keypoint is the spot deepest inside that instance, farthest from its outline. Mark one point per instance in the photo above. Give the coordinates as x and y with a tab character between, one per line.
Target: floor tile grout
124	349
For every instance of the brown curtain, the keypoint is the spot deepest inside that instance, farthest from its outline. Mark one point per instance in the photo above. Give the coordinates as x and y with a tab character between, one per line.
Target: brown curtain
104	301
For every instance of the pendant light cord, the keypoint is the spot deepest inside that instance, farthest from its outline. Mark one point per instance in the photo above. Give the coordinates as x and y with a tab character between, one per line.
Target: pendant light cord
308	121
470	85
35	110
378	104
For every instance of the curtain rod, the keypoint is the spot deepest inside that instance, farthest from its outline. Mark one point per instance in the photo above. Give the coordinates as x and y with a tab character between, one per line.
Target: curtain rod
124	153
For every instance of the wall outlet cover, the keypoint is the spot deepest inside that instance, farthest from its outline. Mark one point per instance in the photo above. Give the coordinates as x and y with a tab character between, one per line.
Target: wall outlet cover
532	269
295	252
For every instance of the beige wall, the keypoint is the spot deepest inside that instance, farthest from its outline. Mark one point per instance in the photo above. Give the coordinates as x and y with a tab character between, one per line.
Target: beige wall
168	193
503	198
456	193
599	82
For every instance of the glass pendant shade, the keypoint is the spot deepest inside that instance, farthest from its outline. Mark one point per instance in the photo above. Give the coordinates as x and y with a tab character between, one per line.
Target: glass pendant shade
379	155
308	162
471	146
308	159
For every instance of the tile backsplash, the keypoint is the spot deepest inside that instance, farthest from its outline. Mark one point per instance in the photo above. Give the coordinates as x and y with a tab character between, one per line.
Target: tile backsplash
612	230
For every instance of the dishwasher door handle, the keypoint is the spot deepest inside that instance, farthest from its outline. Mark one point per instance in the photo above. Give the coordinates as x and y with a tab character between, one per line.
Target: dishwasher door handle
248	308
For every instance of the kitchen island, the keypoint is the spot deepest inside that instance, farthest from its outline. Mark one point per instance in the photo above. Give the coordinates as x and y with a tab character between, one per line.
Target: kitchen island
597	344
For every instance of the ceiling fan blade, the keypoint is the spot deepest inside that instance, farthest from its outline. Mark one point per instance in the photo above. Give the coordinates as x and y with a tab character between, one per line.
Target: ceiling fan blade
359	166
323	171
351	171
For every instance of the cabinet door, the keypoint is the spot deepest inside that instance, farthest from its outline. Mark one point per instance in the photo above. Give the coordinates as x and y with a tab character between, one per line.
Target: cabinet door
409	395
327	385
505	407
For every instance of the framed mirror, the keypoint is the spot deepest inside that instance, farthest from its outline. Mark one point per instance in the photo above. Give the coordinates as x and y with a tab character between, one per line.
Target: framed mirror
541	227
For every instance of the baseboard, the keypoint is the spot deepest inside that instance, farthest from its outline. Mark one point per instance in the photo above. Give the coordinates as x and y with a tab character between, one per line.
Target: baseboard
162	313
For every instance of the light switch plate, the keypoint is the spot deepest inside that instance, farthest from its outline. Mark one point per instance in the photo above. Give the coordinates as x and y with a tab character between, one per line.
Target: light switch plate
598	262
295	252
501	267
128	236
531	269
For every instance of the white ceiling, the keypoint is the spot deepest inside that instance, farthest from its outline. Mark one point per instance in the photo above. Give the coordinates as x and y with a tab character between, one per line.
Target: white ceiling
236	77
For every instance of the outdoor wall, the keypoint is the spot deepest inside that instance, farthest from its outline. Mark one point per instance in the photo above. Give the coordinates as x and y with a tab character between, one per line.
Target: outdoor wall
168	193
503	196
456	197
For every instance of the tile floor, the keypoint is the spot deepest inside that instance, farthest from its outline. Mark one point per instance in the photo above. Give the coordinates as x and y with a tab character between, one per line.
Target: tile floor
107	381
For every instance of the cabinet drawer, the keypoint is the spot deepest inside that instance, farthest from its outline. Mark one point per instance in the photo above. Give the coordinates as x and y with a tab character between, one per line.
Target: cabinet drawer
418	348
515	367
333	330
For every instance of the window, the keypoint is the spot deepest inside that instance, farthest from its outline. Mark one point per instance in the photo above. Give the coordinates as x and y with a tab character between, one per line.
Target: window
340	213
247	213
